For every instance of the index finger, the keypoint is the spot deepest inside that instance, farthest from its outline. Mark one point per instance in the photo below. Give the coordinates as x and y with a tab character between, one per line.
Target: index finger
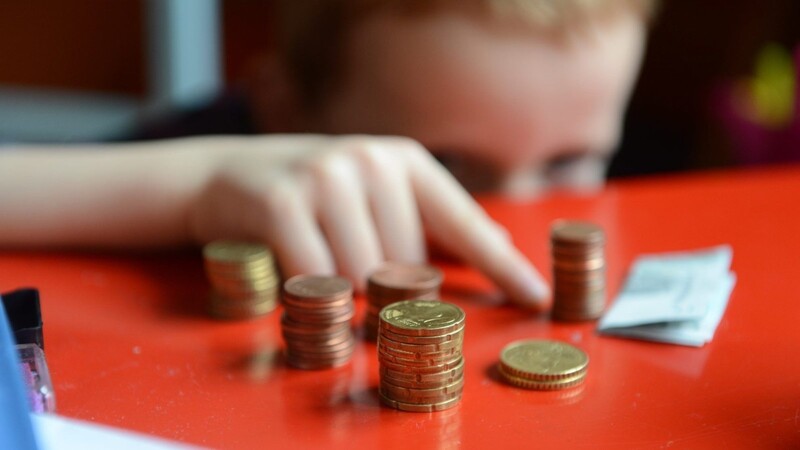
457	223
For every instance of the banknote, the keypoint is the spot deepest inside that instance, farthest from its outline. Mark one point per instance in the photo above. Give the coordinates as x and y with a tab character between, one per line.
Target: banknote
677	297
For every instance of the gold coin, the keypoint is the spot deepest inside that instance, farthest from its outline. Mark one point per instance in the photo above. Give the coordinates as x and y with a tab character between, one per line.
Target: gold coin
423	348
419	395
419	407
421	318
550	385
235	252
456	334
384	346
543	360
421	370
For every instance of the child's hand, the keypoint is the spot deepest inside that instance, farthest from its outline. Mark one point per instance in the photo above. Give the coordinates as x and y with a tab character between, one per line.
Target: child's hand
346	204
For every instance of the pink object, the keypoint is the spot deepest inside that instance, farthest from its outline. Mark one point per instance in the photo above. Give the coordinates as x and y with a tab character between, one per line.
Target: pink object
753	143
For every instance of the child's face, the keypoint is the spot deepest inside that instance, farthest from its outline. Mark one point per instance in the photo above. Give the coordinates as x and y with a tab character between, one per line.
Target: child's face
507	108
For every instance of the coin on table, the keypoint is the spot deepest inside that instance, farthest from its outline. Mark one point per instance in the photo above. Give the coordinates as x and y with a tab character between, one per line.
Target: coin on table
316	321
421	318
573	232
579	270
543	361
235	252
244	279
551	385
419	407
395	281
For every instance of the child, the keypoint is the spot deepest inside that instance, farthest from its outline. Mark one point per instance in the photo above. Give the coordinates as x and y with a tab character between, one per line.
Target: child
518	96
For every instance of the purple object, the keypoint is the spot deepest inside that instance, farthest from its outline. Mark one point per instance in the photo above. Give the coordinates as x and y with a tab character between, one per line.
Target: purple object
753	142
37	378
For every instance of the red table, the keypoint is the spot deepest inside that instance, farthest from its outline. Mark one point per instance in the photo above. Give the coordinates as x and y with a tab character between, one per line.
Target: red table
128	344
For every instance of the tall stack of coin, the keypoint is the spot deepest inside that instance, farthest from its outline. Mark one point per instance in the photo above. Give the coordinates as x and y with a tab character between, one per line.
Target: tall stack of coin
419	353
393	282
543	364
579	270
316	321
244	280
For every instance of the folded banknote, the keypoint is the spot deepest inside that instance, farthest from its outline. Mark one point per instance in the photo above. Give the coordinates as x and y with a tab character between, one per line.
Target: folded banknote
678	298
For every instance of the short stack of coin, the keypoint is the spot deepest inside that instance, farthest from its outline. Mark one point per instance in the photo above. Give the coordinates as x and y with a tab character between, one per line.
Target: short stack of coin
579	270
543	365
420	356
244	279
393	282
316	321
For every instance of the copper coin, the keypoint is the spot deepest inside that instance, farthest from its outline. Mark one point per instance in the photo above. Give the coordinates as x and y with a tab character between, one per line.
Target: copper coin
340	317
300	347
576	232
293	327
318	341
396	275
339	352
582	265
316	305
570	316
318	364
315	286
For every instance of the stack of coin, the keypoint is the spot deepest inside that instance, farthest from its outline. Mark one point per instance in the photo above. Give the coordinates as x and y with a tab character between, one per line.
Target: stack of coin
579	273
393	282
419	353
543	364
244	280
316	321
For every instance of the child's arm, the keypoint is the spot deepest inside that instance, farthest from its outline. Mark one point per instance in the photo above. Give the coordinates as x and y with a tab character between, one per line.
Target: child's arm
323	204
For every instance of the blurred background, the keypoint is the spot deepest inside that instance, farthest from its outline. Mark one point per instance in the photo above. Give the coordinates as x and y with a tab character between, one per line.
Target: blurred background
718	86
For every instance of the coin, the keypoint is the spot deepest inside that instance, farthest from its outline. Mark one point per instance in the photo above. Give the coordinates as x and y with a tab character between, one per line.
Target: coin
415	394
383	356
393	282
551	385
579	270
437	376
395	275
424	348
577	233
243	278
317	364
234	252
421	318
290	326
543	360
420	356
579	264
316	321
322	287
415	407
456	334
